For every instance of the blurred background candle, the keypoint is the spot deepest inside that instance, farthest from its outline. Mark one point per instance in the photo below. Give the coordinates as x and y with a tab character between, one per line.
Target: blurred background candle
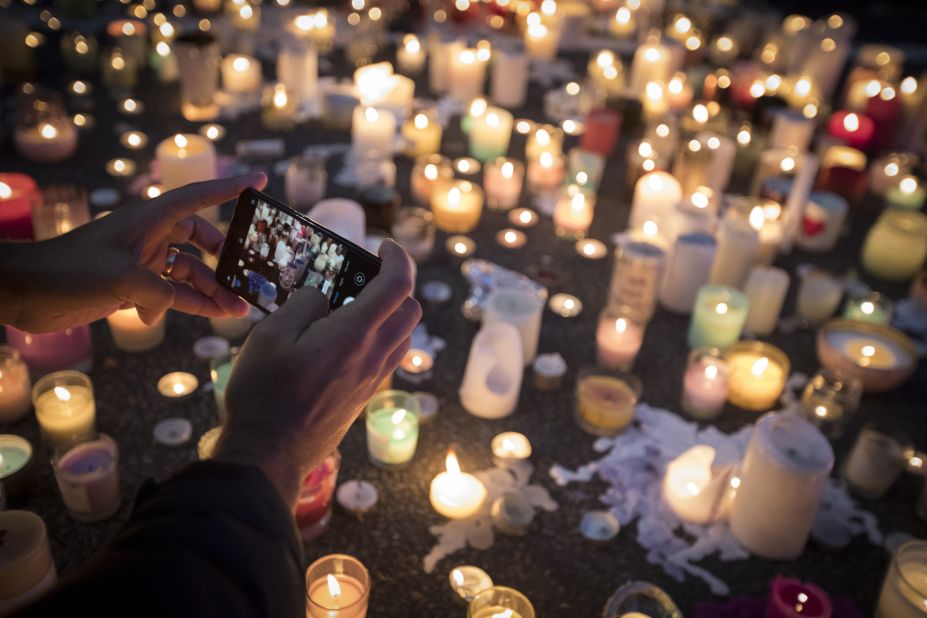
541	42
27	569
908	193
546	172
856	130
636	275
782	476
737	246
688	270
198	59
456	494
829	400
605	400
279	108
490	134
119	72
875	462
822	222
429	171
392	428
15	385
314	502
502	180
705	385
241	74
220	370
298	70
422	134
718	316
87	473
509	83
467	75
903	593
868	307
457	206
573	213
502	602
618	337
414	229
492	379
819	294
410	55
543	138
337	586
64	406
765	290
896	246
758	374
372	131
656	194
18	194
131	334
177	385
185	158
131	36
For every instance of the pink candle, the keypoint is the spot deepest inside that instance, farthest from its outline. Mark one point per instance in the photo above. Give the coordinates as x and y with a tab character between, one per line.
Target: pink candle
88	477
857	130
618	339
790	598
705	386
314	505
18	192
67	349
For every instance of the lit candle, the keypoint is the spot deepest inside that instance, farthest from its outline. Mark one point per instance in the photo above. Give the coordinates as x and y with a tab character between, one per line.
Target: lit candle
790	598
456	494
765	290
467	74
543	138
652	63
50	141
461	246
490	134
298	70
692	491
605	401
546	172
64	406
279	108
422	134
372	131
591	249
337	586
656	195
511	239
457	206
316	26
855	129
120	167
618	338
900	596
131	334
15	386
241	74
872	307
718	316
565	305
18	193
477	108
177	385
468	581
758	374
131	36
429	172
510	447
495	365
213	132
509	82
573	213
88	477
131	107
185	158
502	179
410	56
467	167
705	385
908	193
540	42
314	503
119	71
133	140
523	217
880	357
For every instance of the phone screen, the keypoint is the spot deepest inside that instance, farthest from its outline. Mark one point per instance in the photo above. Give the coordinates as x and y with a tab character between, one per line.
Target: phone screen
271	250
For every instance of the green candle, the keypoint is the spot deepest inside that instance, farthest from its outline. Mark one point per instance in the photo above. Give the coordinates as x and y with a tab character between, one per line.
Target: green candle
15	453
392	428
718	316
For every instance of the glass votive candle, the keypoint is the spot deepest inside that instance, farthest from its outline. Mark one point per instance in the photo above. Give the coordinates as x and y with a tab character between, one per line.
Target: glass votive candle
544	138
429	171
718	316
896	245
868	307
545	173
278	108
638	599
605	400
120	72
392	428
86	469
177	385
337	585
314	503
510	447
468	581
63	208
819	294
618	337
829	398
457	206
500	601
904	592
758	374
573	212
705	385
131	334
502	180
198	57
876	461
15	386
71	348
80	52
586	168
64	406
414	230
45	132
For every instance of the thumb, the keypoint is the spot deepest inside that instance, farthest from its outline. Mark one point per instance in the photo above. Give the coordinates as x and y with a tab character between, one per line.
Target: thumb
150	294
302	308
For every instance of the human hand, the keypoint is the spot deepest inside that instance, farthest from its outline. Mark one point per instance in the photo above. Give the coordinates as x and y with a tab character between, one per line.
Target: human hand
303	375
116	262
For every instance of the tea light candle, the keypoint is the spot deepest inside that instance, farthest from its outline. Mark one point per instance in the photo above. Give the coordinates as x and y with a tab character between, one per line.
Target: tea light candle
490	134
502	180
461	246
718	316
605	401
758	374
185	158
880	357
18	192
468	581
523	217
765	291
467	166
417	362
130	334
510	447
618	338
64	406
457	206
357	497
511	239
520	308
88	477
120	167
456	494
46	142
591	249
133	140
656	195
429	172
422	135
337	586
546	172
908	193
565	305
540	42
241	74
15	386
573	213
410	56
177	385
213	132
705	385
782	476
131	107
690	489
855	129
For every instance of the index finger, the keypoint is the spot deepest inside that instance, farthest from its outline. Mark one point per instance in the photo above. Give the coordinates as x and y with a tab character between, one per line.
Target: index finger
386	292
181	203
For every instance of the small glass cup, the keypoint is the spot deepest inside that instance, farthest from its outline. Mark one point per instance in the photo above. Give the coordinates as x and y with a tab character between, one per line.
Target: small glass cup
706	382
429	172
605	400
868	307
64	208
904	591
494	602
619	336
45	132
503	179
415	230
641	598
351	583
819	294
15	386
875	461
829	399
64	406
86	469
198	57
314	504
392	419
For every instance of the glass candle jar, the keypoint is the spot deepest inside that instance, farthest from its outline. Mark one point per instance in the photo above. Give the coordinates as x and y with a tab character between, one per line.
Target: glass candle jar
503	179
428	172
829	399
63	208
15	386
86	469
718	316
314	503
637	598
896	245
819	294
876	461
415	230
868	307
64	406
198	57
44	132
337	585
706	382
457	206
605	400
392	428
904	589
618	337
758	374
500	601
70	348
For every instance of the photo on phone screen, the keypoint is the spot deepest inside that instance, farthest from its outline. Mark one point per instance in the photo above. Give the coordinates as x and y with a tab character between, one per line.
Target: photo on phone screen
271	250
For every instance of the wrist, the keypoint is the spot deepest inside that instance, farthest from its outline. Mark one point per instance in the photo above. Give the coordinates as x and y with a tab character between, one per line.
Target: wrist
271	455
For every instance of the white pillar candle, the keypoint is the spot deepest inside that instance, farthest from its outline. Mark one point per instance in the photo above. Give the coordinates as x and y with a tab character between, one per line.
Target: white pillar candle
372	131
692	490
541	41
130	334
490	134
722	152
410	55
185	158
656	194
509	83
456	494
457	206
688	270
241	73
64	406
492	378
439	54
782	475
298	70
791	129
502	180
618	338
467	75
737	245
765	289
822	222
372	82
573	213
652	62
521	308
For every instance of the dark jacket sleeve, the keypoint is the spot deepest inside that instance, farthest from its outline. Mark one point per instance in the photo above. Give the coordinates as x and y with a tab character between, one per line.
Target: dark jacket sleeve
216	540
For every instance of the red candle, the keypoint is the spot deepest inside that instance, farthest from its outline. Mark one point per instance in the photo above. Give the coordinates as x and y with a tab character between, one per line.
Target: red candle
602	127
886	111
17	194
314	505
843	171
855	129
790	598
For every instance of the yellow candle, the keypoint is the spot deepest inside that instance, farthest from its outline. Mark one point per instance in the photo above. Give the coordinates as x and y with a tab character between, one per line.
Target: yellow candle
130	334
457	206
758	375
422	135
605	403
64	406
456	494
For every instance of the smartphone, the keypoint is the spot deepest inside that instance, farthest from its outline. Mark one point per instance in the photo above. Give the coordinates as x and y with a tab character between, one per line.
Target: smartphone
271	250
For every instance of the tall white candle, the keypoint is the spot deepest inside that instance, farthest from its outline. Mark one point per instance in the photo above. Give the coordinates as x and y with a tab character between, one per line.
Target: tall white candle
573	213
737	244
765	289
723	151
130	334
656	194
652	62
521	308
372	131
492	379
509	83
783	473
467	75
298	70
688	270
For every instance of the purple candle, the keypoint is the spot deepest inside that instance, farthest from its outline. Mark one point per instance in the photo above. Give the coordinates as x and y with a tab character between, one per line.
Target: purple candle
88	477
67	349
790	598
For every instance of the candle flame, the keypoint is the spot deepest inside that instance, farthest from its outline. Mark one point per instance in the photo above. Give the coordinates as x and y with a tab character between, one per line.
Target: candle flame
460	248
651	54
759	367
334	588
525	217
569	304
605	58
542	137
908	184
118	63
241	64
510	237
892	169
370	113
871	89
506	614
820	411
458	577
623	16
246	12
163	49
578	202
507	170
650	228
700	113
582	177
908	85
621	325
180	141
421	121
398	415
546	159
431	171
453	196
654	91
757	218
451	463
281	100
867	307
711	372
62	393
787	164
6	192
478	107
721	308
744	137
735	482
48	131
467	56
645	149
537	31
868	351
851	122
412	44
692	488
178	388
493	120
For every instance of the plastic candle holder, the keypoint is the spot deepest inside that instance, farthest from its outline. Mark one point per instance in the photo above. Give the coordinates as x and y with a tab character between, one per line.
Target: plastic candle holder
64	406
500	601
758	374
605	400
706	382
337	586
718	316
392	428
15	386
87	473
903	593
314	503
